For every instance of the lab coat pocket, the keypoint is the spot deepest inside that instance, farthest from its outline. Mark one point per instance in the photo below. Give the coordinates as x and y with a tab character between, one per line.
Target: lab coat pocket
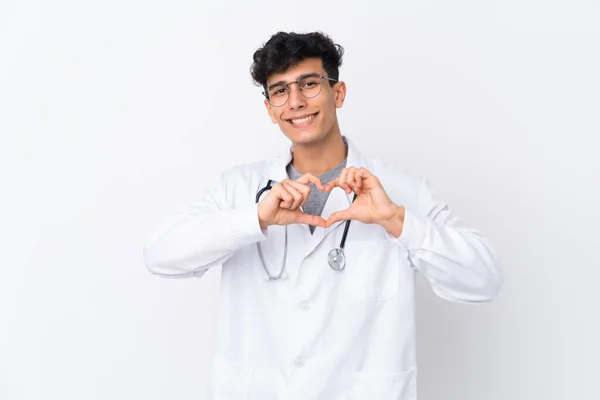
384	386
372	270
230	379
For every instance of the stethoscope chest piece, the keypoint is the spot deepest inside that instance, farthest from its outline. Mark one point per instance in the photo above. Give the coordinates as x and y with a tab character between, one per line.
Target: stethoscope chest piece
337	259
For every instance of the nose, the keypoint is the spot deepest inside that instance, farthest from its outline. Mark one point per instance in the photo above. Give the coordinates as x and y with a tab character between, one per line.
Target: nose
296	100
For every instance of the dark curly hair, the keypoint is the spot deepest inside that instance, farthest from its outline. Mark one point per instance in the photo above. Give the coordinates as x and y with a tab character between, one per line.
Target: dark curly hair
286	49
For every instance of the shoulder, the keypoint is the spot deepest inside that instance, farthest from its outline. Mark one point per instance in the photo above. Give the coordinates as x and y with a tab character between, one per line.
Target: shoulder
238	183
402	184
244	172
387	171
392	174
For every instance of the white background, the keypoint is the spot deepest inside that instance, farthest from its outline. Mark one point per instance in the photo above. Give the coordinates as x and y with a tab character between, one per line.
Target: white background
114	113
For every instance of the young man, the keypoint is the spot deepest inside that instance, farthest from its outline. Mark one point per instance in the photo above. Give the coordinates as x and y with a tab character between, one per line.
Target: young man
318	269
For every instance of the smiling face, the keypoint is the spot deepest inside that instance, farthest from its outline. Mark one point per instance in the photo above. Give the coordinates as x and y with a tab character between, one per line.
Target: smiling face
306	120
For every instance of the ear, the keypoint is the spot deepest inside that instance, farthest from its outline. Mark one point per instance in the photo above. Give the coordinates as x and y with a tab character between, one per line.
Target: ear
270	111
340	93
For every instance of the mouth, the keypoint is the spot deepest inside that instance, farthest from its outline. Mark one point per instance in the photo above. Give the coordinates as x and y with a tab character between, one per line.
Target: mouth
303	120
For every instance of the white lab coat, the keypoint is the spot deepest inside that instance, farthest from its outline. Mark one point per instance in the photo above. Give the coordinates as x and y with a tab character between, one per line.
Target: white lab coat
319	333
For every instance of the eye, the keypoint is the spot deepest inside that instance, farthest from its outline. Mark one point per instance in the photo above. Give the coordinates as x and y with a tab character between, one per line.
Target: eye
310	83
278	91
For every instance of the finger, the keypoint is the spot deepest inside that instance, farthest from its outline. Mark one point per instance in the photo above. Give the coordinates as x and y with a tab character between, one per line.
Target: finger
343	180
365	174
338	216
312	220
310	178
368	179
335	183
358	180
332	184
352	178
302	188
359	177
286	198
298	197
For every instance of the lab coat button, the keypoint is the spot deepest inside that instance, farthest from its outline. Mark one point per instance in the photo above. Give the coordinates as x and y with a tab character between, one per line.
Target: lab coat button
299	362
304	305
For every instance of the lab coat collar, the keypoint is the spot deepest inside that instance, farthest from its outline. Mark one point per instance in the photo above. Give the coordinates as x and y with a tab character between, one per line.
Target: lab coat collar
276	171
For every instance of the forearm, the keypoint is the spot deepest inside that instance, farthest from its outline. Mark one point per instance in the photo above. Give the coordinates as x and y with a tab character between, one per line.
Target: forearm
190	242
459	263
394	225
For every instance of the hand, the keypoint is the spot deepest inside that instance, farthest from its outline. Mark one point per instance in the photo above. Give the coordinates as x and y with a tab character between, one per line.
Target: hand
281	206
372	204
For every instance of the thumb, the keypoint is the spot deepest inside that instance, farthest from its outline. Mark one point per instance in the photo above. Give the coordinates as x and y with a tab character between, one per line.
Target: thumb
312	220
338	216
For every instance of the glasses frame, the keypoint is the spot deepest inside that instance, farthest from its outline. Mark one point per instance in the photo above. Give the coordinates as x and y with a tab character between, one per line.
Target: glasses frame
286	85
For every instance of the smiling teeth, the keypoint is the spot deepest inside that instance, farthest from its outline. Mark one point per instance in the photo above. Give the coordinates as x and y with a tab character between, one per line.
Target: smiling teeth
303	120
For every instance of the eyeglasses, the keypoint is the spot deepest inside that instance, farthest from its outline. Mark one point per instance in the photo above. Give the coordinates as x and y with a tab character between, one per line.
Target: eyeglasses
310	86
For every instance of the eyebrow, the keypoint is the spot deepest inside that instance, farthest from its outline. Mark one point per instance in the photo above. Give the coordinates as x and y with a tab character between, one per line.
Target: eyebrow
281	83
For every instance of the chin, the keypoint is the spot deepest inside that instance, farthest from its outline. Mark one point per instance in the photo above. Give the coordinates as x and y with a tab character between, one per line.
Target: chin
305	137
308	135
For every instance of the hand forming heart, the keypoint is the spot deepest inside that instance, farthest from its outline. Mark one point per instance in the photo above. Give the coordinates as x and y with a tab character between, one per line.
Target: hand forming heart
372	204
282	206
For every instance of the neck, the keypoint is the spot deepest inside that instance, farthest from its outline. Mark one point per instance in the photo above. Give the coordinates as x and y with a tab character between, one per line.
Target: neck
321	157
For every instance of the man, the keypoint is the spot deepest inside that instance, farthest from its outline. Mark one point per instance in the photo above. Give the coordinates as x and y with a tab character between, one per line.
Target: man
298	317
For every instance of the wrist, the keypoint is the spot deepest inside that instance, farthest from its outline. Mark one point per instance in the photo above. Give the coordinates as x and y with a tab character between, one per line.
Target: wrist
394	223
261	221
263	225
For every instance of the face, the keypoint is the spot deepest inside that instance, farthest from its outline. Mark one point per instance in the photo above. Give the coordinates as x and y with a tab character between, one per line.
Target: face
307	120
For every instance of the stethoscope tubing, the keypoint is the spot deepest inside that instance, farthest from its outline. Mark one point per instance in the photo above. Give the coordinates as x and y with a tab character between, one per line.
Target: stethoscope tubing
340	249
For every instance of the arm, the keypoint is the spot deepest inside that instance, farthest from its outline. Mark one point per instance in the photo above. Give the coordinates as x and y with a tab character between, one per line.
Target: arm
458	261
201	235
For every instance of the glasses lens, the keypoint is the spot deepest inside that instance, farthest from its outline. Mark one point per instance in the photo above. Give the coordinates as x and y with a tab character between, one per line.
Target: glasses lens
278	95
310	86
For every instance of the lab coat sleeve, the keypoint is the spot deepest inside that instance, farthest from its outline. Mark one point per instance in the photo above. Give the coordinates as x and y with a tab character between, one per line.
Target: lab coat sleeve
201	235
458	261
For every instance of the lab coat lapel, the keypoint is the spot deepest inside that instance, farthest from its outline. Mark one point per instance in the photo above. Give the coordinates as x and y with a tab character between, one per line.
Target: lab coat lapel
276	169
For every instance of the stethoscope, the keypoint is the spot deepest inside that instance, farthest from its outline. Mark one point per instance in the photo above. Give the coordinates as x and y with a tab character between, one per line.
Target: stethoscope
336	257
